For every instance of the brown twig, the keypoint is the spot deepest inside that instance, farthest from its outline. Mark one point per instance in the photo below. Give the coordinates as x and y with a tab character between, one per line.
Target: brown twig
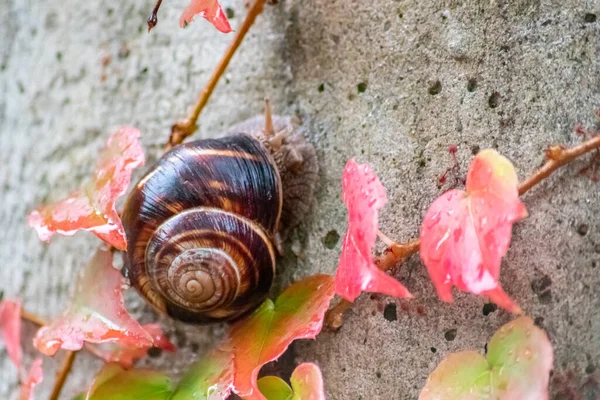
185	128
557	157
31	317
62	375
396	254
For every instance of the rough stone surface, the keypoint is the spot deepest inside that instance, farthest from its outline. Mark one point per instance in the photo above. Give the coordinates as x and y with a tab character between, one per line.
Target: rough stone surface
392	83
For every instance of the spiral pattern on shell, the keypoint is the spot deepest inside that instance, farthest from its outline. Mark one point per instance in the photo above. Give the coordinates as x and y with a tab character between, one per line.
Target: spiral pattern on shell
199	228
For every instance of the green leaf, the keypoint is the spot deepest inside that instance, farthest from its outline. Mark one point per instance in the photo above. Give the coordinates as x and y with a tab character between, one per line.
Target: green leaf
115	383
518	365
263	336
275	388
209	379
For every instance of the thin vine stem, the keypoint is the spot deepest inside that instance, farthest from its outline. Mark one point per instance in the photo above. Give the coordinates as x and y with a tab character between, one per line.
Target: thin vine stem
396	254
65	369
187	127
557	156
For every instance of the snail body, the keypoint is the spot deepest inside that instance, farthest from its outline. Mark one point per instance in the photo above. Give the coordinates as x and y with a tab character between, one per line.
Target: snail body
203	225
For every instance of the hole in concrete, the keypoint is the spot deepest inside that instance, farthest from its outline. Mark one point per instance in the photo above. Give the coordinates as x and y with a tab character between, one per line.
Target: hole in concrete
489	308
230	12
378	374
540	285
545	297
433	350
450	334
475	149
389	312
154	352
471	85
321	88
361	87
494	100
589	18
435	88
583	229
539	321
331	239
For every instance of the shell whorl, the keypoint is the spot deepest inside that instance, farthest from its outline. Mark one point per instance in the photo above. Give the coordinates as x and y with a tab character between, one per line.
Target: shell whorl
205	204
210	262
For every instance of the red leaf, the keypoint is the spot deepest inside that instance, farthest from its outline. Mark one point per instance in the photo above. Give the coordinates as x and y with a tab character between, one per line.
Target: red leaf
96	313
126	354
464	235
364	195
10	329
209	9
266	334
35	376
93	207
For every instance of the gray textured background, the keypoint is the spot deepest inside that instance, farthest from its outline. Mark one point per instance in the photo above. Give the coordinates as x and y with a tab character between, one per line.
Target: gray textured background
513	75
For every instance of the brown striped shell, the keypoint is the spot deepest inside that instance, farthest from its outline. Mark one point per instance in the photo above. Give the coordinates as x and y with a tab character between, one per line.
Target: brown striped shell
200	227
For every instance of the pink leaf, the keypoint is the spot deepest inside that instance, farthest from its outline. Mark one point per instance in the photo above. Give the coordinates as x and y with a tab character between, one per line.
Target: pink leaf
35	377
307	382
266	334
10	329
93	207
464	235
96	313
364	195
126	354
209	9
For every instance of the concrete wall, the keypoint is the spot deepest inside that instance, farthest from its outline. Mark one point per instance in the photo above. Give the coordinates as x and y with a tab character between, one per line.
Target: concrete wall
392	83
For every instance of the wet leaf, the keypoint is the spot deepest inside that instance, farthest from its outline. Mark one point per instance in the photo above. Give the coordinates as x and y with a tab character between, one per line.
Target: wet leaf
209	9
115	383
518	365
464	235
364	196
266	334
306	380
33	378
96	313
209	379
126	355
10	329
93	207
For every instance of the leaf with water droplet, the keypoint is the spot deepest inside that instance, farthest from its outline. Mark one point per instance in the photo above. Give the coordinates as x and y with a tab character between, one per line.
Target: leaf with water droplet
263	336
92	208
465	234
306	380
518	364
95	314
209	9
115	383
209	379
364	196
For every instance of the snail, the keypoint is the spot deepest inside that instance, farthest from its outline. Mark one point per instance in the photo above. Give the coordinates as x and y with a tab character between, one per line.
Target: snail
204	223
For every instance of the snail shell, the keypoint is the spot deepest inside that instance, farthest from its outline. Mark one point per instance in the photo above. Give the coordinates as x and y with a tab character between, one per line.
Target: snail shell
203	223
